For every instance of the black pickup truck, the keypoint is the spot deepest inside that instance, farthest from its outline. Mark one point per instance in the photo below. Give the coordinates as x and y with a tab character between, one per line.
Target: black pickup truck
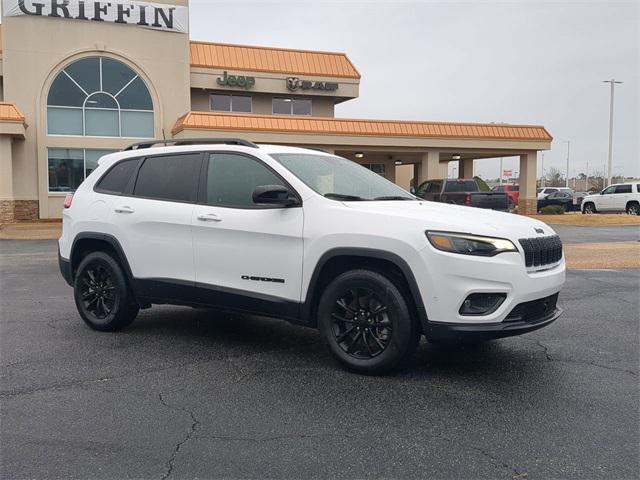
462	192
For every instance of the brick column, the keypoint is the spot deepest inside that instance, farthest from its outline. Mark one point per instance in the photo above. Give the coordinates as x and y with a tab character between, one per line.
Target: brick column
528	203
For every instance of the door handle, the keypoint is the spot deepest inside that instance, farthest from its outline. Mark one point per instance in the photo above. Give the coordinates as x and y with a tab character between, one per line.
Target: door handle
209	217
124	209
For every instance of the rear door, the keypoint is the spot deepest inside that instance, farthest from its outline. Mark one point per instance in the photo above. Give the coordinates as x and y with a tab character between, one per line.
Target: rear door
243	249
152	220
621	196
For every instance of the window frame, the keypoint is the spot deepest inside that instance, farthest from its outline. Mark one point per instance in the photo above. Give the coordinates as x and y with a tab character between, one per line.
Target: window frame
84	108
231	95
310	114
53	193
204	172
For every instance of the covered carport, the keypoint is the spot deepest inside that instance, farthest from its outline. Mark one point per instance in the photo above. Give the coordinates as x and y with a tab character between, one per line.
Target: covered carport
12	134
429	146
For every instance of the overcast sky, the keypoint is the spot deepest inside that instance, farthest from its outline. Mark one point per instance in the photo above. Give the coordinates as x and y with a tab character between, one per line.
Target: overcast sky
529	62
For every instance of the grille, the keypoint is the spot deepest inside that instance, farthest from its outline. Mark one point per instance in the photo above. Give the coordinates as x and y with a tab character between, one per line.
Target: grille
542	250
533	311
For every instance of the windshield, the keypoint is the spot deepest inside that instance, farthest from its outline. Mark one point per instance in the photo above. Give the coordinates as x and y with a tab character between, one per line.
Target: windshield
339	178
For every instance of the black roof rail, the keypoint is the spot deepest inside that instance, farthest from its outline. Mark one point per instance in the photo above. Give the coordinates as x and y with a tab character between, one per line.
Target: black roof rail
190	141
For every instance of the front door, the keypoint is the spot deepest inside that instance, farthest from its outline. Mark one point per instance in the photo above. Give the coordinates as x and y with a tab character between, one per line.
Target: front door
606	200
244	252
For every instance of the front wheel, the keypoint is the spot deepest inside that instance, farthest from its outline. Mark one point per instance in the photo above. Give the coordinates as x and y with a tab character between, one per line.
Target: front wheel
589	208
102	294
366	323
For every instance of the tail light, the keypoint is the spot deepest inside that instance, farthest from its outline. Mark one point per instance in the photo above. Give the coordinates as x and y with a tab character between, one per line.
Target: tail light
67	200
467	199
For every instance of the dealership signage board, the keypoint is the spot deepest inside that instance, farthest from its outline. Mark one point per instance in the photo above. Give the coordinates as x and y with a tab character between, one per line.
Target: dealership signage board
507	173
158	16
294	83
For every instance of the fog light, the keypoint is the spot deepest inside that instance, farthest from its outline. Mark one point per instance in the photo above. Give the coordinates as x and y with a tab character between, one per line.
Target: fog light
482	303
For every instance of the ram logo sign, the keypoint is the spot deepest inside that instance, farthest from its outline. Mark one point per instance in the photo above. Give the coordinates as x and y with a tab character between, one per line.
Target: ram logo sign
158	16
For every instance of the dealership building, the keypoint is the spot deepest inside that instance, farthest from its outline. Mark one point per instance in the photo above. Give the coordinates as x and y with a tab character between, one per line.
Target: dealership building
79	79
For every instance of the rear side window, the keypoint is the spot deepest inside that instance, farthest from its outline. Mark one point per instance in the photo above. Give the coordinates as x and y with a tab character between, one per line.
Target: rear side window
461	186
169	177
623	189
116	179
232	178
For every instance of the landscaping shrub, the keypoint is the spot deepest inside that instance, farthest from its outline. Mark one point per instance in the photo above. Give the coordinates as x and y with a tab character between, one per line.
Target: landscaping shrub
552	210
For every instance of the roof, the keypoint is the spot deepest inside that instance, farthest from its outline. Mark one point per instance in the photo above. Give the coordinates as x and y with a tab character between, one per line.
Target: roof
9	112
272	60
360	127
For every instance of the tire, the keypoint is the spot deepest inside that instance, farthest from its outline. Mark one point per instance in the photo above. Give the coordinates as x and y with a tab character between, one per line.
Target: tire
102	294
366	323
633	208
589	208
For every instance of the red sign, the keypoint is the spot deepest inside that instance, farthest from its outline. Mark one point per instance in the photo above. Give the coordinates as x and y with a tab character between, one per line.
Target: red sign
507	173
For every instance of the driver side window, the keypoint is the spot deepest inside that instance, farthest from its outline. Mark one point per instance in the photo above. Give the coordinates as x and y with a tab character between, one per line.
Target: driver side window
608	190
232	178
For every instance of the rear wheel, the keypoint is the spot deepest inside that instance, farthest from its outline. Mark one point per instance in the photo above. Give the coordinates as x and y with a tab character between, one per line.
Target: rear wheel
589	208
633	208
366	322
102	294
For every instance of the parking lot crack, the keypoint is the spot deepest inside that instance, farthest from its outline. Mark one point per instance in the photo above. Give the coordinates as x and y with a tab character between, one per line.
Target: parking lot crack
187	437
551	358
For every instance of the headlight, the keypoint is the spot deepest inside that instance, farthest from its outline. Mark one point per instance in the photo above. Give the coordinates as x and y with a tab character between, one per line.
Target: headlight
470	244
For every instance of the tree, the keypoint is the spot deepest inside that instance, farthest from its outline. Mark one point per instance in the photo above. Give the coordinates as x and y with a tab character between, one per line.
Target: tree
554	178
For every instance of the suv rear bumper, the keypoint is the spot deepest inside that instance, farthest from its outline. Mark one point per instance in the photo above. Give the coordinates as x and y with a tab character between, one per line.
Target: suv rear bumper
65	269
488	331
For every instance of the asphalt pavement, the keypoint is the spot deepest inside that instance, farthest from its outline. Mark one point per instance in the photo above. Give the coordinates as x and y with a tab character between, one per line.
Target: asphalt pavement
186	393
587	234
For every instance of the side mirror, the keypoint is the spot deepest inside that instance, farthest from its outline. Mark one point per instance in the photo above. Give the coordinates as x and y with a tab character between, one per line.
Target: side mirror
274	195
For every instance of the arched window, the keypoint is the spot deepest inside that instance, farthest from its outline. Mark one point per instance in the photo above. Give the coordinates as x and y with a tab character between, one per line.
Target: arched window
99	96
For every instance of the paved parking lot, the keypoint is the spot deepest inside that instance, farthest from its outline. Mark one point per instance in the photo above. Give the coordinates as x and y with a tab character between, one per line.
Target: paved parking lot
186	393
581	234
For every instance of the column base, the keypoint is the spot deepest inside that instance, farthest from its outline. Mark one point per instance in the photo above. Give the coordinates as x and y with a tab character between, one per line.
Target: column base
12	211
527	206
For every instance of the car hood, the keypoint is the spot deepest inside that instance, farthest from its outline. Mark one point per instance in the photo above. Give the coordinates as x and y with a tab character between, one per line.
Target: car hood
457	218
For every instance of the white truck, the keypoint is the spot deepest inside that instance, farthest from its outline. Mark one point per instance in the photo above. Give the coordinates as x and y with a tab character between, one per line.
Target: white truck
304	236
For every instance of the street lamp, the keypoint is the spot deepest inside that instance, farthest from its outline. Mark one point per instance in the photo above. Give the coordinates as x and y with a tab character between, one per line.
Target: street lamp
612	82
568	142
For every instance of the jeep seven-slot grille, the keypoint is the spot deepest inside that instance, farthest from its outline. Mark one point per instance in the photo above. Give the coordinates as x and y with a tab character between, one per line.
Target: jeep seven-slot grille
541	251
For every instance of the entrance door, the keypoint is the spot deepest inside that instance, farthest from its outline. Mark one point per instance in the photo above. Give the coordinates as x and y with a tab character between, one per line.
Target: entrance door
244	252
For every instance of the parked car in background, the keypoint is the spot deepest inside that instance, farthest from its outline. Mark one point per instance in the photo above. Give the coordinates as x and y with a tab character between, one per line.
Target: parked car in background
562	199
577	199
462	192
543	192
621	197
512	190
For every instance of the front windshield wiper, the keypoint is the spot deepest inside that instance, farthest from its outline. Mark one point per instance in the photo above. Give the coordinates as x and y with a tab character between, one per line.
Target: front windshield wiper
393	197
342	196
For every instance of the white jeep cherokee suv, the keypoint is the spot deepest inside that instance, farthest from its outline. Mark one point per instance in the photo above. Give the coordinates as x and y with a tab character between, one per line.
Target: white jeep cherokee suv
305	236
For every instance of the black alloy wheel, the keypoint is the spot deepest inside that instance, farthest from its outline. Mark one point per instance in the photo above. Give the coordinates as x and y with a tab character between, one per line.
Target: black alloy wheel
361	324
97	292
102	294
589	208
366	322
633	209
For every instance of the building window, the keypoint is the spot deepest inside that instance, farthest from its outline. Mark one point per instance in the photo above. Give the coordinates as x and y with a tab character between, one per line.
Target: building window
101	97
291	106
375	167
68	167
219	102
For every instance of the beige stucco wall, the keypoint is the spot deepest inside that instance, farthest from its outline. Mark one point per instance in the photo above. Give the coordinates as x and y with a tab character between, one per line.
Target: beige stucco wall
262	102
35	49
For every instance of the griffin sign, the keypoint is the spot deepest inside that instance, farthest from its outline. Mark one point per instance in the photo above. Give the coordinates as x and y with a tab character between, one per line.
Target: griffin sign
172	18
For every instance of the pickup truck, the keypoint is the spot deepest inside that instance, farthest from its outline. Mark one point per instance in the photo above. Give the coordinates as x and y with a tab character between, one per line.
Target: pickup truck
462	192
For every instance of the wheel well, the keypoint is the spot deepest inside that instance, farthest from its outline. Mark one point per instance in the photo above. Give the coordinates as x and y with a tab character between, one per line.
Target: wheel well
632	202
85	246
343	263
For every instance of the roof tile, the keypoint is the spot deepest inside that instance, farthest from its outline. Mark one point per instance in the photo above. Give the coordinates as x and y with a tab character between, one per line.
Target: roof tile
9	112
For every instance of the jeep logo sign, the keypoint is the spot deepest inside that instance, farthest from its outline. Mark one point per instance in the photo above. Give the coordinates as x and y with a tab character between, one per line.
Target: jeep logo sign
172	18
236	81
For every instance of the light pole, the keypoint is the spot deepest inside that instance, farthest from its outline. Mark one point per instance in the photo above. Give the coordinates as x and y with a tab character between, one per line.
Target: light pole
542	162
501	170
454	172
568	142
612	82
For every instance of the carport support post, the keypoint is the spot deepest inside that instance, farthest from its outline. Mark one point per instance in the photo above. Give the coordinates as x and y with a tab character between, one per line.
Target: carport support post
429	166
528	203
465	168
6	168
